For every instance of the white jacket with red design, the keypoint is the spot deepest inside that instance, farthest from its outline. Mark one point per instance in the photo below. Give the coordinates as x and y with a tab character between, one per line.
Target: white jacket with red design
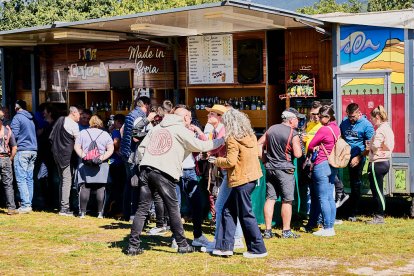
167	145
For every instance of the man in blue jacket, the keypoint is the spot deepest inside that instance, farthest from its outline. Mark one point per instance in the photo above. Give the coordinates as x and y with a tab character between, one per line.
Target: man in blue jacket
24	131
356	129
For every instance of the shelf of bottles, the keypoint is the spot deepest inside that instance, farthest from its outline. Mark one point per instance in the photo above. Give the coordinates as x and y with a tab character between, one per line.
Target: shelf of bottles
300	85
241	103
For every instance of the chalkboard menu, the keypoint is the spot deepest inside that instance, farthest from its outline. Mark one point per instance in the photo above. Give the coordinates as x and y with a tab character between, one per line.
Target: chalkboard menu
210	59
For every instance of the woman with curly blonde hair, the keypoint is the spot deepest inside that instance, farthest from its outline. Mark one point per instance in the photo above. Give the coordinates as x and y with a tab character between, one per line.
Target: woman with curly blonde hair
243	167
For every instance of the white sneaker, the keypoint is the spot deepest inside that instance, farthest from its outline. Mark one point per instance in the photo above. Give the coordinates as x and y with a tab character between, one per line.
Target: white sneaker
100	215
251	255
222	253
24	210
201	241
338	222
174	244
157	231
131	218
325	232
238	243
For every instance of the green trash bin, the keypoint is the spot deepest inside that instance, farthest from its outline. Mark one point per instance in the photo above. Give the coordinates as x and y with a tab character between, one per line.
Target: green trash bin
259	198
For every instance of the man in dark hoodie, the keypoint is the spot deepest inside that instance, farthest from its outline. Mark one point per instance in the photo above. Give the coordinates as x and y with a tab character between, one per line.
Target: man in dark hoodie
24	131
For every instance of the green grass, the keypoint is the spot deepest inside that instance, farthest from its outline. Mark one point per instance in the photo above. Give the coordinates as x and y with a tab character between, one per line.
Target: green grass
47	244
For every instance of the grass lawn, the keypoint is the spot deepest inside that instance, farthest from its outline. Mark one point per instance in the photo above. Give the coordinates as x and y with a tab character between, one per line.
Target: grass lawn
45	243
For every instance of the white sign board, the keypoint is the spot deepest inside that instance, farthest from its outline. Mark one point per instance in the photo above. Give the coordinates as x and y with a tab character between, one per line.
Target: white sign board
210	59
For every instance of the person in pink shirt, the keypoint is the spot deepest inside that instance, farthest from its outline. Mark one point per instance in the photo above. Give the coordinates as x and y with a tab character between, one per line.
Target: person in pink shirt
323	175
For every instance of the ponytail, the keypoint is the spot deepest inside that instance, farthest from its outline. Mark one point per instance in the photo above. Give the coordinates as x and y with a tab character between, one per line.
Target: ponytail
379	110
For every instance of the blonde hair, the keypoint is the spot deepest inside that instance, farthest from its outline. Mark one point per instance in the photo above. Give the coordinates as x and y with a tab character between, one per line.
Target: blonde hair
379	110
95	122
236	124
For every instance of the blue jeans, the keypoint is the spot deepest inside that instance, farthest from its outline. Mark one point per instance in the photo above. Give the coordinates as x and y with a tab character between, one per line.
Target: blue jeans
223	195
23	168
323	201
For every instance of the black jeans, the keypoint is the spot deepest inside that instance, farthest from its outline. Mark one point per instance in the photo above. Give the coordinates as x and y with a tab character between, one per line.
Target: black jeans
152	180
355	181
339	188
6	177
161	212
380	170
130	193
191	190
239	205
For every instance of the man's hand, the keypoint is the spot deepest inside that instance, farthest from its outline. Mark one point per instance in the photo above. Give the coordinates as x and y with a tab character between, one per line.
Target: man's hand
151	116
212	159
195	129
355	161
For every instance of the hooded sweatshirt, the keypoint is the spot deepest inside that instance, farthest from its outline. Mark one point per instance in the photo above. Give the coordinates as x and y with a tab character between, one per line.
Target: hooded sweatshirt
167	145
356	134
382	144
241	161
24	131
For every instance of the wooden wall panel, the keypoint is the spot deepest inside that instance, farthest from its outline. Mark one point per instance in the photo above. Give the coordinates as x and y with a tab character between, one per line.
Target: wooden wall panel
152	65
308	48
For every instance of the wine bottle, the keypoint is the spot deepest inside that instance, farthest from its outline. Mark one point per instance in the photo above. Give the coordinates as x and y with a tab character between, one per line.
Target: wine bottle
254	103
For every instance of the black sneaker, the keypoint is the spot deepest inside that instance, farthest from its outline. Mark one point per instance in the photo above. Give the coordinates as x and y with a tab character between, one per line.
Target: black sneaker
341	200
267	234
185	249
133	251
288	234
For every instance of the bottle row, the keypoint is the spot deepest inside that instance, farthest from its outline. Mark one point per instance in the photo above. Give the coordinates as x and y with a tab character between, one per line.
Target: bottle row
242	103
100	106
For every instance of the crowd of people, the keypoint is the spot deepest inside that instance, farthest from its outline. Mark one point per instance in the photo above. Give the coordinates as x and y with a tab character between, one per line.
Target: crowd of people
151	162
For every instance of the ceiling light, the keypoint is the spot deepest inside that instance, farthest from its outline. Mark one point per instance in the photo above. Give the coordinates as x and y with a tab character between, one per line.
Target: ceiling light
9	42
162	30
242	19
84	36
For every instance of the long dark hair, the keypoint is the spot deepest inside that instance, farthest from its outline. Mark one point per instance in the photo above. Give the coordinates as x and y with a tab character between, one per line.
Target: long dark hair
327	111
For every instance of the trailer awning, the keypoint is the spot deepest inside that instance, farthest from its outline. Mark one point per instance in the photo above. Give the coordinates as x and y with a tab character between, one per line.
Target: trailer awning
393	19
230	16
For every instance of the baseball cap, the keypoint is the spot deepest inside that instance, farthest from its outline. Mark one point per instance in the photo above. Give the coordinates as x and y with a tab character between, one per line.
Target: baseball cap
292	113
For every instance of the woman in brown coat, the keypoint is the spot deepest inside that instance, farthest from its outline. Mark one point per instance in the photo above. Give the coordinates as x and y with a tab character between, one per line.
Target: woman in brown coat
243	169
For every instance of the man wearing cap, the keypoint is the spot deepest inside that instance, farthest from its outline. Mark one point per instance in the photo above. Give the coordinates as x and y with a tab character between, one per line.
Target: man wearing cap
24	131
282	144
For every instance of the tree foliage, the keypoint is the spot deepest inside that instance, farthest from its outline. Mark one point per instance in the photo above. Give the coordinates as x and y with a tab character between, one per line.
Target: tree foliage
386	5
15	14
329	6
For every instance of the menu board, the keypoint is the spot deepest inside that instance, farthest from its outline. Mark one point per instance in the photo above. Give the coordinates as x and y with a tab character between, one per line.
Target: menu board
210	59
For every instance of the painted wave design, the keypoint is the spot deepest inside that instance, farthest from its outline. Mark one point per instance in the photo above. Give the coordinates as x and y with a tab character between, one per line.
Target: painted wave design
356	43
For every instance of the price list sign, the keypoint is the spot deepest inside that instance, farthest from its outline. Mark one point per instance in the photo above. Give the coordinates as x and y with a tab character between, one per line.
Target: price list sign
210	59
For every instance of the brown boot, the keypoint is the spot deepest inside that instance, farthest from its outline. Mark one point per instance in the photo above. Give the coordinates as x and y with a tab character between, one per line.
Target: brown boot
12	212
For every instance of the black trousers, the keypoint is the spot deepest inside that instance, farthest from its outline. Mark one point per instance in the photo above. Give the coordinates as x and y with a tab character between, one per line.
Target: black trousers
239	205
6	177
355	179
150	181
377	188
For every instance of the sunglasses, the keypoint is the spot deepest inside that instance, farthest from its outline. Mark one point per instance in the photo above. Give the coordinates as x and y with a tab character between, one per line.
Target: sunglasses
315	114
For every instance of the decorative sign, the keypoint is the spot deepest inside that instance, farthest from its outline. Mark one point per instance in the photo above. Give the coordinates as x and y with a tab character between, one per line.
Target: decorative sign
210	59
138	55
